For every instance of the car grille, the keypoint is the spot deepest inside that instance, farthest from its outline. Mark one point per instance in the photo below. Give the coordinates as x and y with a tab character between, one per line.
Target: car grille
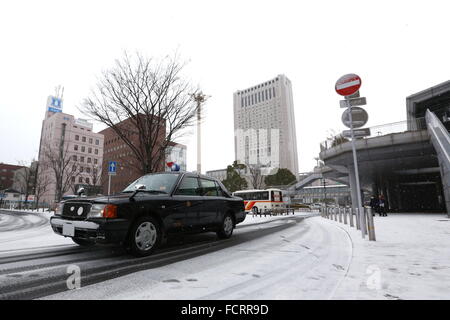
76	210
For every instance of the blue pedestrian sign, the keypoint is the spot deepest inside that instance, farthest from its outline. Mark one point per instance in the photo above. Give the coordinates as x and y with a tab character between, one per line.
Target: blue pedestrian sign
112	168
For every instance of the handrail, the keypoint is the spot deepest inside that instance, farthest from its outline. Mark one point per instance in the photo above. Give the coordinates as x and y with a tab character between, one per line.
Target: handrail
433	124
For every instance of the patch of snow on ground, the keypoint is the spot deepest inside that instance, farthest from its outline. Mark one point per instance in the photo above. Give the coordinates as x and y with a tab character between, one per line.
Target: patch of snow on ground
409	260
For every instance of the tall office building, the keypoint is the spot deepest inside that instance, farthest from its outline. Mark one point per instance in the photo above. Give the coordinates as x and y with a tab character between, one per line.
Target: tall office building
264	124
69	145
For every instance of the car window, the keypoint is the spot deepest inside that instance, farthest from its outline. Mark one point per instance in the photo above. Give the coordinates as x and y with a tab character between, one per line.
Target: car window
219	190
158	182
189	187
209	188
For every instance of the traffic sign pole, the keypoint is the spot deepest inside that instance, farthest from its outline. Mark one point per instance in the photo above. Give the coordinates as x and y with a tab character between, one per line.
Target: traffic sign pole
109	185
355	164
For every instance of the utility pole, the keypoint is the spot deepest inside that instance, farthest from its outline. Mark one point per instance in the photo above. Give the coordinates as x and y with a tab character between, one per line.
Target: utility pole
199	98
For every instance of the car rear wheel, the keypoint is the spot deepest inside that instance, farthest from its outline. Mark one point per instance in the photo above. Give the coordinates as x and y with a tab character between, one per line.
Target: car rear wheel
83	242
145	236
226	230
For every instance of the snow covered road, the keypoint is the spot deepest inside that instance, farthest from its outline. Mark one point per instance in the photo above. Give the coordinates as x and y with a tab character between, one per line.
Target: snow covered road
287	258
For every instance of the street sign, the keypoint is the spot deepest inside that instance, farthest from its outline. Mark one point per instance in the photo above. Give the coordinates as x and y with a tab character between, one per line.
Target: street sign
348	84
112	168
357	133
359	117
353	102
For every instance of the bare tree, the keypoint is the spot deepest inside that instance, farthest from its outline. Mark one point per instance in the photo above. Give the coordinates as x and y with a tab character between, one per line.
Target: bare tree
256	175
62	167
145	101
41	185
25	178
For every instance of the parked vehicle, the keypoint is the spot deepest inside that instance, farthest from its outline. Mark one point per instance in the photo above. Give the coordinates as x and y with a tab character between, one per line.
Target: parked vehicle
316	206
149	210
261	200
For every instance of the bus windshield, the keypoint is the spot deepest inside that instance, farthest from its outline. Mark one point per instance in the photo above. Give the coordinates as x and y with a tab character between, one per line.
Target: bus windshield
254	195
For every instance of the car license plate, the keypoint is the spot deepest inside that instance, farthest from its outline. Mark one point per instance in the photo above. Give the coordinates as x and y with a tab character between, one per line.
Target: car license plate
68	230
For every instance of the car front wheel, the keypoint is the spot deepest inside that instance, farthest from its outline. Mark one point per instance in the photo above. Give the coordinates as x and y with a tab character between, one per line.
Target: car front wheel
145	236
226	230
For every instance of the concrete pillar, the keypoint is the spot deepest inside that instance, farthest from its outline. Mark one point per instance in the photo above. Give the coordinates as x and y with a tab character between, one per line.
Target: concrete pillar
445	177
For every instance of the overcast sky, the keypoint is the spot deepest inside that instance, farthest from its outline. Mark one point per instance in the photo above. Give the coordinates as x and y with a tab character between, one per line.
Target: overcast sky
396	47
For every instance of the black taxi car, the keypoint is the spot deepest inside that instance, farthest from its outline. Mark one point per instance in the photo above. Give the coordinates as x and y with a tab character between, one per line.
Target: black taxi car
149	210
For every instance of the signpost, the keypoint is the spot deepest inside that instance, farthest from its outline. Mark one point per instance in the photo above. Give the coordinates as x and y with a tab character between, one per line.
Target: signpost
353	102
348	86
358	133
358	118
112	170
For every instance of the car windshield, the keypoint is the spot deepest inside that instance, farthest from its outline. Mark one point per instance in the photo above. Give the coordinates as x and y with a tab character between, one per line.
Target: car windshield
162	182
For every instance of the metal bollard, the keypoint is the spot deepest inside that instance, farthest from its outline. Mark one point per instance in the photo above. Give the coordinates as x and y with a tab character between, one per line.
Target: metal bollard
357	220
345	215
370	225
350	216
340	214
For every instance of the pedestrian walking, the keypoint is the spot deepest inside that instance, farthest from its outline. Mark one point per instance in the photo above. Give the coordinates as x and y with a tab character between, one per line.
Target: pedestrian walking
382	206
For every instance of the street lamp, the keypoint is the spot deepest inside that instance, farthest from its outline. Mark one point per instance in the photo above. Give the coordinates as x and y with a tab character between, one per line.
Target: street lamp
199	98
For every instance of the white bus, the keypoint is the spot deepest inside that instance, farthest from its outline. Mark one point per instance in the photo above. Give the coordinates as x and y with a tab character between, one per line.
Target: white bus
261	200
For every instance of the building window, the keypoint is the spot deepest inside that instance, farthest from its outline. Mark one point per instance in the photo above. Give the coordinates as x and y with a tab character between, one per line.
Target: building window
270	94
83	148
87	180
273	92
90	140
88	170
73	179
83	139
95	161
81	169
97	142
96	151
77	137
81	159
80	180
75	157
89	150
89	160
75	147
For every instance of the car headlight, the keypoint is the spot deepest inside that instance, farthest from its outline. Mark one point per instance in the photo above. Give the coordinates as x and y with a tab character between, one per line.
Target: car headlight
103	211
59	209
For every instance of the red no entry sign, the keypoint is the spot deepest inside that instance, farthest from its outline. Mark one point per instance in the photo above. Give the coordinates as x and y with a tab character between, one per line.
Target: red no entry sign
348	84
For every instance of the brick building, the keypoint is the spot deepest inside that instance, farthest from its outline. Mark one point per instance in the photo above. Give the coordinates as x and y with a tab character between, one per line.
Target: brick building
7	175
115	149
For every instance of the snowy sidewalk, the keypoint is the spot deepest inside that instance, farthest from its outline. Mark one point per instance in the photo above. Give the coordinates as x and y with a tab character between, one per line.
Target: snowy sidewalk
409	260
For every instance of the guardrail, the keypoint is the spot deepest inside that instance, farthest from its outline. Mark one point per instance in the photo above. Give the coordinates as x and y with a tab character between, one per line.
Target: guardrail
379	130
278	212
345	215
